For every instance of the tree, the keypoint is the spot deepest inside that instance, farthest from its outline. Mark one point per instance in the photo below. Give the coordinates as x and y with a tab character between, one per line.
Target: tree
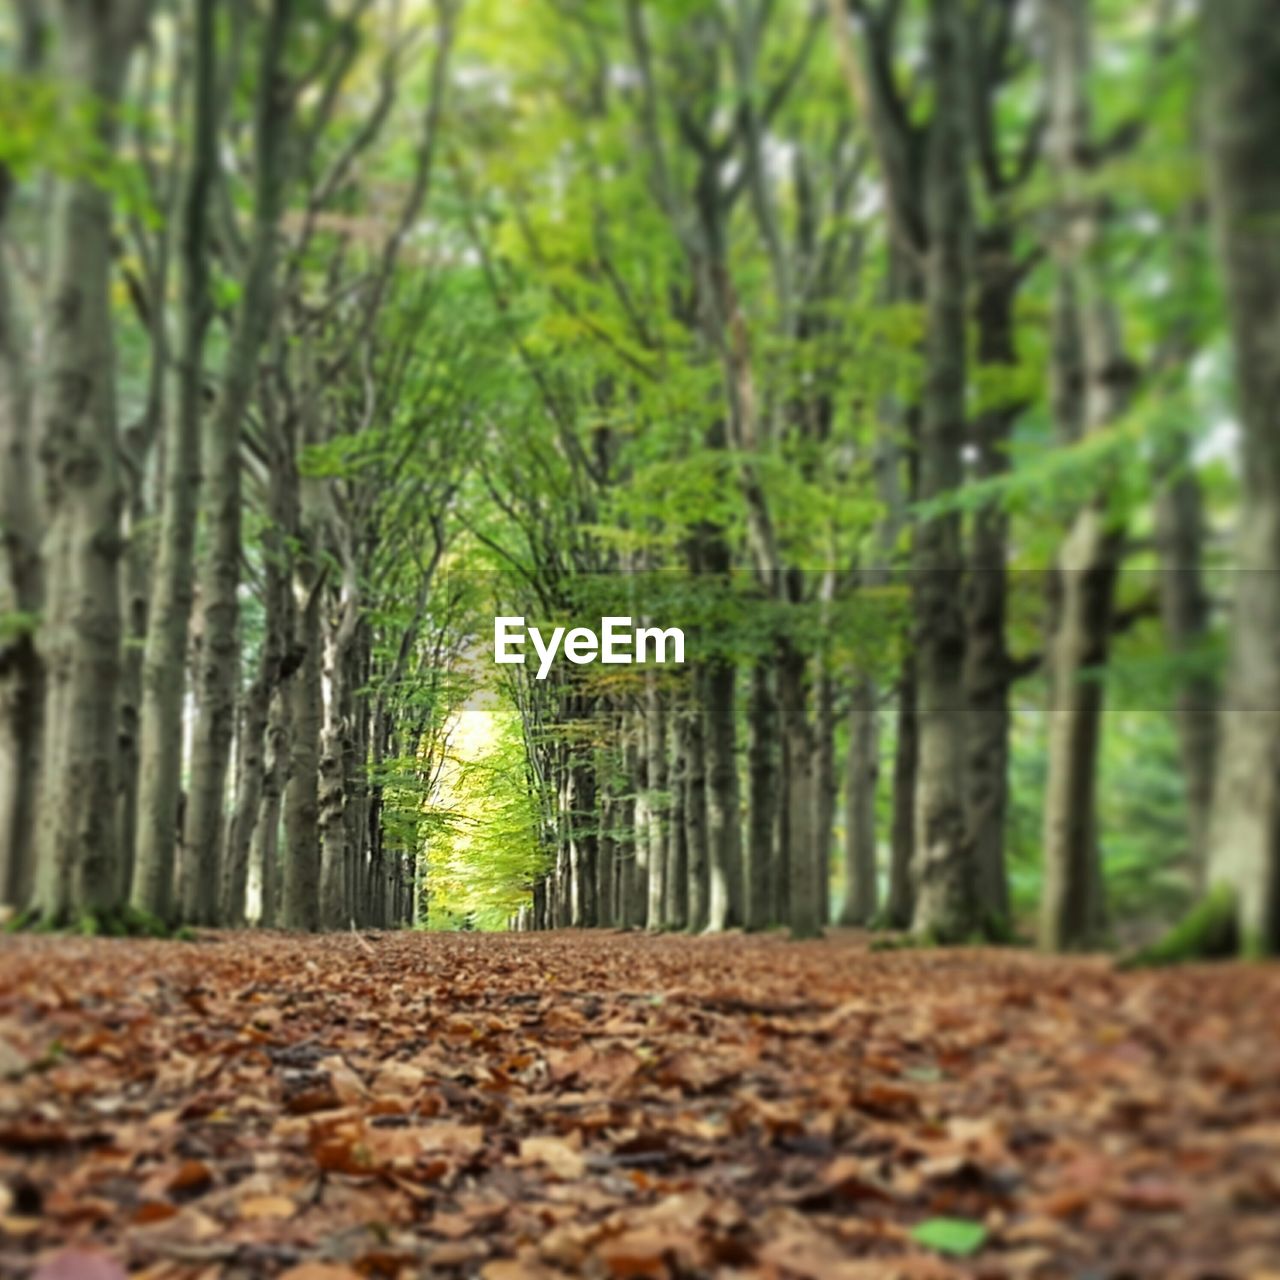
946	896
1243	111
78	870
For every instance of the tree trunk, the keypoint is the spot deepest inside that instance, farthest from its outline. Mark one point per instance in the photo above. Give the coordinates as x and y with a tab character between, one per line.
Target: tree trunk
218	568
986	656
300	882
264	852
695	811
800	786
164	659
762	798
586	844
78	863
21	596
946	902
332	780
902	838
655	723
862	767
676	908
1089	389
826	789
606	870
1186	613
637	877
724	822
1243	67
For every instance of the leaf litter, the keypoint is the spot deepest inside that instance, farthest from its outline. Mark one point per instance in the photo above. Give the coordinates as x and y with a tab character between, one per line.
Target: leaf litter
618	1105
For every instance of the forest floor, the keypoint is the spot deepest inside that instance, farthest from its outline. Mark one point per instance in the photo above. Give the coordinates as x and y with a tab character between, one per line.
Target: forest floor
619	1105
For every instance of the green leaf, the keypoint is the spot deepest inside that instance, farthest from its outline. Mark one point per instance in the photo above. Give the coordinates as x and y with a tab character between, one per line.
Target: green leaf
955	1236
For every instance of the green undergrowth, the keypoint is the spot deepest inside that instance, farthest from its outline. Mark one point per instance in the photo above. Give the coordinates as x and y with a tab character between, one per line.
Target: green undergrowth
122	922
1209	931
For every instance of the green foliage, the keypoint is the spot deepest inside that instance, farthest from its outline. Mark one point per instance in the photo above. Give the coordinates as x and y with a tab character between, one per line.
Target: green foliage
481	851
954	1236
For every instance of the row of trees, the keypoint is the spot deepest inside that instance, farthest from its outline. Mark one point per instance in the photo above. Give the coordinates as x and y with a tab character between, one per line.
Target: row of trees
886	287
878	343
217	649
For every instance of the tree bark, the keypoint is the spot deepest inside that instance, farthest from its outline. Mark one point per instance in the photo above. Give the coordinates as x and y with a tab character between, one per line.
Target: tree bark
1186	614
332	780
945	905
606	870
724	823
987	668
799	784
825	790
695	811
586	845
21	597
1090	386
300	882
636	873
1243	109
78	861
900	906
862	767
264	851
763	781
164	662
676	907
655	723
218	568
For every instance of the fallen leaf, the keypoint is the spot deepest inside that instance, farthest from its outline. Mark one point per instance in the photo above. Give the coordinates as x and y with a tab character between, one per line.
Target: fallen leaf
253	1208
561	1157
79	1264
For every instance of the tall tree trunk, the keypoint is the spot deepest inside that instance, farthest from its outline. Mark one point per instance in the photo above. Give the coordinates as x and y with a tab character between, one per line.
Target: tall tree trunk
21	595
676	908
900	906
218	568
655	724
799	785
1089	389
987	671
332	780
164	661
1186	613
825	790
300	883
946	898
78	862
763	781
1243	69
637	877
586	846
275	664
264	852
695	810
862	767
724	822
606	870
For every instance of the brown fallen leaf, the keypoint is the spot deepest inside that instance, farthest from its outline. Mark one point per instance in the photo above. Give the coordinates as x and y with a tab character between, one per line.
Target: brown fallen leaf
79	1264
150	1211
637	1255
560	1156
191	1175
320	1271
254	1208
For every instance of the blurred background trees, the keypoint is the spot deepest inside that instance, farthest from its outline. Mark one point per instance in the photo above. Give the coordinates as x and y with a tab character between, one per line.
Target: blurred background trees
883	345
